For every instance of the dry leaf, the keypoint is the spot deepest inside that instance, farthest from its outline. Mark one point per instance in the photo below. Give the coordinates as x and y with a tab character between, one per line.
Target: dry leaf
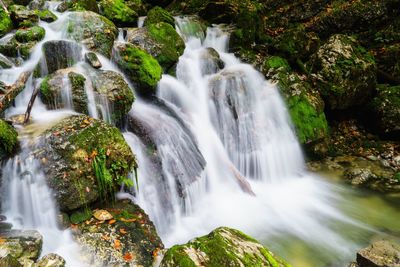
128	256
117	244
111	221
123	231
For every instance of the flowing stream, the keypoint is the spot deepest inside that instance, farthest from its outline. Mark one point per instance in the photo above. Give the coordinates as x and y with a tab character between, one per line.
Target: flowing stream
215	148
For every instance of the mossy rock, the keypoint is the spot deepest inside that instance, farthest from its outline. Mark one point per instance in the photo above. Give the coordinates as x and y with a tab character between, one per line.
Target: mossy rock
131	240
94	31
161	41
111	86
222	247
6	24
119	13
304	103
141	68
158	14
80	216
54	86
22	17
60	54
77	154
345	72
82	5
46	15
387	60
384	110
9	46
35	33
8	139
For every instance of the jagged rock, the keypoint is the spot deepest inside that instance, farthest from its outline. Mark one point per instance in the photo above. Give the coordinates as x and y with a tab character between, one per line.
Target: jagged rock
222	247
140	67
51	260
94	31
344	71
379	254
93	60
83	160
60	54
130	239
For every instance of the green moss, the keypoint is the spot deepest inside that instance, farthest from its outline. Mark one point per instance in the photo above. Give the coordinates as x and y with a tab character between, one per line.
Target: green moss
82	5
5	22
46	15
45	92
35	33
80	216
171	44
276	62
143	69
8	139
118	12
158	14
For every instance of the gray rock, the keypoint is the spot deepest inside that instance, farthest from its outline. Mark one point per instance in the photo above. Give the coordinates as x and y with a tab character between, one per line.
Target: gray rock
61	54
93	60
22	17
5	63
25	246
211	62
379	254
51	260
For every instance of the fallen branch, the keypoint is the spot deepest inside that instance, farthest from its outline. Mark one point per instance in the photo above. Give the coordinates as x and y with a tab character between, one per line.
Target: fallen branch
30	105
13	91
246	187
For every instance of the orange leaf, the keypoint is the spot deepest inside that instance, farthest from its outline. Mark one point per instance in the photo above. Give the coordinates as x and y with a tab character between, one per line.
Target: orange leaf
128	256
117	244
123	231
128	220
111	221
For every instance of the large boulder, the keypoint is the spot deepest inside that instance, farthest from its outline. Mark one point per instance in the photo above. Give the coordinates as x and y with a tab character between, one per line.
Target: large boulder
158	14
5	22
46	15
119	13
96	32
161	41
222	247
384	110
78	5
60	54
140	67
379	254
125	237
112	87
35	33
344	71
8	139
22	17
84	160
24	246
64	88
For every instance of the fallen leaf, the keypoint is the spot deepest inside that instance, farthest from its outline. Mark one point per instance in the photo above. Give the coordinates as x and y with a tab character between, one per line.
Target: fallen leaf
117	244
128	220
128	256
123	231
111	221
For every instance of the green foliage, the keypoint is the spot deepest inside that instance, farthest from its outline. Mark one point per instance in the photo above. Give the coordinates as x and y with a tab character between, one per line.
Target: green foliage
80	216
5	22
276	62
35	33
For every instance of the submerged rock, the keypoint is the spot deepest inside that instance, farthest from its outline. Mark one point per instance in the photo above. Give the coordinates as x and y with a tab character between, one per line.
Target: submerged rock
129	239
94	31
379	254
60	54
8	139
51	260
84	160
93	60
344	71
141	68
222	247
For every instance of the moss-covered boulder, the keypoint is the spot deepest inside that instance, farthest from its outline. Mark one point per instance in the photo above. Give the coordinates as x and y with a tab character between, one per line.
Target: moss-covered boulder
111	86
24	246
96	32
78	5
128	239
51	260
119	13
5	63
161	41
158	14
384	110
8	139
305	105
35	33
140	67
222	247
60	54
345	72
46	15
5	22
22	17
64	88
387	61
84	160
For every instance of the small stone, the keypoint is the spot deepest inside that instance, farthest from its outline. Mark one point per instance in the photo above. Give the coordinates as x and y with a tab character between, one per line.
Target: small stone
93	60
102	215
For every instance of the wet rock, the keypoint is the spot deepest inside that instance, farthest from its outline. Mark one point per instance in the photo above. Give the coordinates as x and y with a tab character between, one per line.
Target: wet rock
78	5
119	13
5	22
4	226
94	31
93	60
379	254
140	67
51	260
384	110
83	160
5	63
64	84
24	246
9	261
128	239
47	15
8	139
22	17
36	4
158	14
60	54
9	46
211	62
62	7
345	72
35	33
222	247
159	40
112	87
102	215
